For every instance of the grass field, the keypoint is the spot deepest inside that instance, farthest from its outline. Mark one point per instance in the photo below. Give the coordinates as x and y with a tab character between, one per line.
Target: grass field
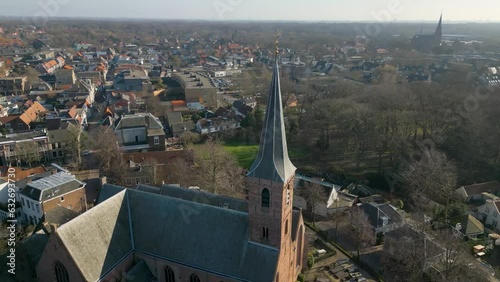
244	153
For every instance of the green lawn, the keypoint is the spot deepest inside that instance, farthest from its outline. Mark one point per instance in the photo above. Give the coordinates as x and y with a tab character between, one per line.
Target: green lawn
244	153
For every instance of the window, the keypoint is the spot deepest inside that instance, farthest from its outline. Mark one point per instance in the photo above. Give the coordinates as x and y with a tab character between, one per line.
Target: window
194	278
22	199
61	272
62	198
37	208
286	227
265	198
494	223
28	203
54	154
157	140
60	153
265	233
169	274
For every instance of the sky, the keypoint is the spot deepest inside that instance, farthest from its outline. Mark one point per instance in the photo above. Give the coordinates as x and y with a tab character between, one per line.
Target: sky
287	10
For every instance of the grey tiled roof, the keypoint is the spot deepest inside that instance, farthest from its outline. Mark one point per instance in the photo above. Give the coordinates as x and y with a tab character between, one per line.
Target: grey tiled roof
272	162
99	238
51	186
204	198
200	236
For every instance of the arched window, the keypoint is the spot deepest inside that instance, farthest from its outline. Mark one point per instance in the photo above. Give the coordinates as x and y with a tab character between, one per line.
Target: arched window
265	198
169	274
194	278
61	272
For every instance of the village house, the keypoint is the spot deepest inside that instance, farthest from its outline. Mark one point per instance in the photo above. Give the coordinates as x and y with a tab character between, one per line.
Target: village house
217	124
42	195
328	192
383	217
467	226
13	85
476	192
489	213
25	121
138	132
15	148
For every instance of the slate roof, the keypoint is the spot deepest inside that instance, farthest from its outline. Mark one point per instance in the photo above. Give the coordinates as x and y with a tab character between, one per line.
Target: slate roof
200	236
60	215
470	225
272	162
174	118
492	187
204	197
139	120
375	214
51	186
99	238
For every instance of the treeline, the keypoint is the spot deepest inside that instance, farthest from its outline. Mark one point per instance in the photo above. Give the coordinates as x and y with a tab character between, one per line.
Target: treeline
361	129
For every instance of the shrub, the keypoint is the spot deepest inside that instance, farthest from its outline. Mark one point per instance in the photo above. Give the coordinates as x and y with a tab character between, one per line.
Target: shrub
310	260
301	278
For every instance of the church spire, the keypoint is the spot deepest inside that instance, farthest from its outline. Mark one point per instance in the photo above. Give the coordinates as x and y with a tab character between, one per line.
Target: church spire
439	29
272	162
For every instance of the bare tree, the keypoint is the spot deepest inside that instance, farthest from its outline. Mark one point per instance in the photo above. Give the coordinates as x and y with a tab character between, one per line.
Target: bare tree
76	142
404	255
217	171
432	176
28	152
110	157
313	196
337	215
362	231
453	258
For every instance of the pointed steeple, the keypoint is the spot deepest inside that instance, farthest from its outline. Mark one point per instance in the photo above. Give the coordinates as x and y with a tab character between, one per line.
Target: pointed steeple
272	162
439	29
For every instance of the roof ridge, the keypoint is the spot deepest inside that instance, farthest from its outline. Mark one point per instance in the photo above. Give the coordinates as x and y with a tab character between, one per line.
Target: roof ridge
187	201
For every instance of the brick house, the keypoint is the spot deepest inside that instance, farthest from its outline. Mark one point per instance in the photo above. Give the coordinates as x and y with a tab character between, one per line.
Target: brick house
42	195
140	132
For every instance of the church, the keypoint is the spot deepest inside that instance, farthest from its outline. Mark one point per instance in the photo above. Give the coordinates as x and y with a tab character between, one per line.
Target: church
184	235
428	42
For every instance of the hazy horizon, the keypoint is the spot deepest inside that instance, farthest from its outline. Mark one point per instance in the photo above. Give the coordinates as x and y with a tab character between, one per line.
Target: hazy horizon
481	11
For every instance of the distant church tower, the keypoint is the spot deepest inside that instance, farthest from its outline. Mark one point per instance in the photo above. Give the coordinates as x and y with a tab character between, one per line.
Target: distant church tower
270	183
439	30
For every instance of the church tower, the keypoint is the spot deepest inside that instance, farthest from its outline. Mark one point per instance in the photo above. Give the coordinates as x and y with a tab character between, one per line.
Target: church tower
271	177
439	30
